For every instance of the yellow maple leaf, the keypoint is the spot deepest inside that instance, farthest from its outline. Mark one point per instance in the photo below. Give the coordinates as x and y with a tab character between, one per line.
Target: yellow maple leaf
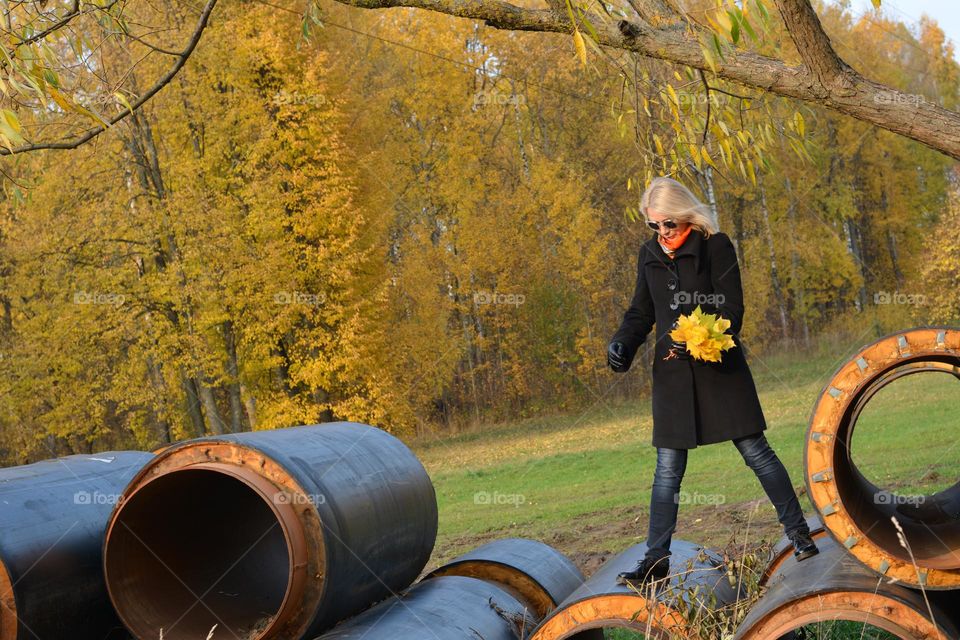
704	334
682	332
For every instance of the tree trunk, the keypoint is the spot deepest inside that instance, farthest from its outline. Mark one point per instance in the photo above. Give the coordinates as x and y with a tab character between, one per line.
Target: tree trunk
217	425
771	251
233	373
737	235
141	145
801	305
524	160
250	407
192	401
852	238
322	396
162	425
705	180
894	258
7	314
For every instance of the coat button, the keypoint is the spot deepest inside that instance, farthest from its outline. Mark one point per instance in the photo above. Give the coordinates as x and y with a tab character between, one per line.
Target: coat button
671	284
674	305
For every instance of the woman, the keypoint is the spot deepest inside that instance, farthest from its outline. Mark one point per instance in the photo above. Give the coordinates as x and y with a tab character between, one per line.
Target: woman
687	263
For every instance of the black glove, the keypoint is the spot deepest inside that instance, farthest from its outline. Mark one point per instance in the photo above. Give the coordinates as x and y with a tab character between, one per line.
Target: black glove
677	351
617	356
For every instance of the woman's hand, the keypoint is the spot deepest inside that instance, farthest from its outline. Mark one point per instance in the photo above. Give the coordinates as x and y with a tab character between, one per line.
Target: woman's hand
617	356
677	351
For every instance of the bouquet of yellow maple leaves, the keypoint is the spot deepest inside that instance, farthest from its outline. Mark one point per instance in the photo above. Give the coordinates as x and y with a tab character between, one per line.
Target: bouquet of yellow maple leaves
703	334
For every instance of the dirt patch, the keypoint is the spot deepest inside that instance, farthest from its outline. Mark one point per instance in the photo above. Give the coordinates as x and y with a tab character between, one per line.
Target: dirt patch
588	563
592	539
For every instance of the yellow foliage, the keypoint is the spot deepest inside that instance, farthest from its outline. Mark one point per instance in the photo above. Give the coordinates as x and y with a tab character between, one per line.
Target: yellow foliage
703	334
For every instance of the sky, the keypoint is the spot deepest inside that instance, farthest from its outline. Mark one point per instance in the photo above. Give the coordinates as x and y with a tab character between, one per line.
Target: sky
945	12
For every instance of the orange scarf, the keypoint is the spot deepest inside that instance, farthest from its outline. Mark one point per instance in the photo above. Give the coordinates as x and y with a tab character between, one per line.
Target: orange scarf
674	243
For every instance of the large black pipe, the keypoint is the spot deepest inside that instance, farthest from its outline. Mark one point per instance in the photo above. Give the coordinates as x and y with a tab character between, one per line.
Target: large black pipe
782	551
857	512
52	520
697	583
270	534
442	608
833	585
540	574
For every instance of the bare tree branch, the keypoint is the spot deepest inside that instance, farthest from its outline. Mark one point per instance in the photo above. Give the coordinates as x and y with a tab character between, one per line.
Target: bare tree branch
662	30
824	79
182	57
657	13
62	22
814	46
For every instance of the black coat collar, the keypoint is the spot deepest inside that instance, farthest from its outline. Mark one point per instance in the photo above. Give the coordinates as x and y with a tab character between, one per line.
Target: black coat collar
693	247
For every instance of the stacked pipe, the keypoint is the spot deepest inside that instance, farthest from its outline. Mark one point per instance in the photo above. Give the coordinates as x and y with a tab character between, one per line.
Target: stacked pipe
833	585
52	520
270	534
698	583
846	500
282	534
891	563
276	534
445	608
540	575
517	589
498	591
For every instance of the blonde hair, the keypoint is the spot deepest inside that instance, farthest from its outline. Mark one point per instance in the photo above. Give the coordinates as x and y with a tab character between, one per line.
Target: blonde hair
673	199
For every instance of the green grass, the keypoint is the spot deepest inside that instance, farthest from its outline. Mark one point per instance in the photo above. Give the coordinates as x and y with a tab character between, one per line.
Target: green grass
843	630
622	634
581	481
831	630
906	436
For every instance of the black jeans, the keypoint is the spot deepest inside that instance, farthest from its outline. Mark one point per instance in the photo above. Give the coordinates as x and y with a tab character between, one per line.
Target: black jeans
665	495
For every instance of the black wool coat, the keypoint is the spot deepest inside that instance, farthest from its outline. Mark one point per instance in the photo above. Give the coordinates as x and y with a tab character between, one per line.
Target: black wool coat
694	402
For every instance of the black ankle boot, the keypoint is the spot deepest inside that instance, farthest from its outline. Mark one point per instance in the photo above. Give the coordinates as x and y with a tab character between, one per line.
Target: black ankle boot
647	570
803	546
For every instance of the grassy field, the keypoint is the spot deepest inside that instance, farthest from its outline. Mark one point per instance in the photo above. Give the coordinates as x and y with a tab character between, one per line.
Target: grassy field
581	481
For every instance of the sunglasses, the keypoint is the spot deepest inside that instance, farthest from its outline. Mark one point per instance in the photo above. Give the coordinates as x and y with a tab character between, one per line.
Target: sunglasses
669	224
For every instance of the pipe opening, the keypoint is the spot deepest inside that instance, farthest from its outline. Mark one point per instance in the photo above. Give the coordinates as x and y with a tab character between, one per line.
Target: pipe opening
621	631
926	506
848	624
196	548
622	614
849	628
